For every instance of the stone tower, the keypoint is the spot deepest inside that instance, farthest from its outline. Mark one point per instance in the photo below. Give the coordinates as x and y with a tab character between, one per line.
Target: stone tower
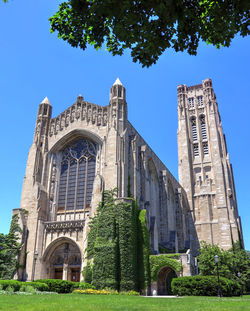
205	171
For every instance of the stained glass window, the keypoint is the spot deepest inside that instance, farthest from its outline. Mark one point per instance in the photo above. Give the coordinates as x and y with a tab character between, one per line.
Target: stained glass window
77	175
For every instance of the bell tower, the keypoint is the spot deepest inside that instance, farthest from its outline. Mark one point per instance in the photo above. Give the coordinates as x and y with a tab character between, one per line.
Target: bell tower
205	170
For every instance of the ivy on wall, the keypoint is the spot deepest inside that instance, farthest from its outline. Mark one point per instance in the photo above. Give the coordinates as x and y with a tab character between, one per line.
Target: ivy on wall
159	261
118	245
143	251
119	248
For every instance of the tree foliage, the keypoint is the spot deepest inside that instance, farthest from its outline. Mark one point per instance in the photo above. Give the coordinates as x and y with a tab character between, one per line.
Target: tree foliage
9	250
231	263
148	27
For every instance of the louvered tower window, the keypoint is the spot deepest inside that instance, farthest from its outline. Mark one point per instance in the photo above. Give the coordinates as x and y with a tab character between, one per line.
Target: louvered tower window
194	129
196	150
205	148
203	128
77	176
191	102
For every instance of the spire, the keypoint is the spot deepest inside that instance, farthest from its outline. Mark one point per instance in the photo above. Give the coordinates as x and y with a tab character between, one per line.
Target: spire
117	82
45	101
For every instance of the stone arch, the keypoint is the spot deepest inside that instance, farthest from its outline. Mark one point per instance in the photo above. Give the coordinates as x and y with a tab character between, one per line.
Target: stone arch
72	135
165	276
62	260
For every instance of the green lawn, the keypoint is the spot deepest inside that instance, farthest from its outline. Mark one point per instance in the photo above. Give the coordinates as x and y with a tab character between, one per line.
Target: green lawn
68	302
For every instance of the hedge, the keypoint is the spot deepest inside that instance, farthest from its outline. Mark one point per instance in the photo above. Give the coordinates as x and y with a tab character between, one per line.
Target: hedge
204	286
63	286
16	285
159	261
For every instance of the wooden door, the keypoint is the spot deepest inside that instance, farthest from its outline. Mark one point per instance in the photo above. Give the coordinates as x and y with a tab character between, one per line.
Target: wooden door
75	275
58	273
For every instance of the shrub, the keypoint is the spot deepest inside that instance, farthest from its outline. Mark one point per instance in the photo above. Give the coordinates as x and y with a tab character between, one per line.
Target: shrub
41	287
17	285
9	289
29	289
12	283
204	286
58	286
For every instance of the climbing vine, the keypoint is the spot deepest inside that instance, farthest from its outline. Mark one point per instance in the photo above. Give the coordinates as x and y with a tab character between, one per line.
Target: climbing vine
159	261
118	245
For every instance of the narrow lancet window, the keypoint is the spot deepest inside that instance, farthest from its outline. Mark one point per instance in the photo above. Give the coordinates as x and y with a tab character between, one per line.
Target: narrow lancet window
203	128
205	148
194	129
196	150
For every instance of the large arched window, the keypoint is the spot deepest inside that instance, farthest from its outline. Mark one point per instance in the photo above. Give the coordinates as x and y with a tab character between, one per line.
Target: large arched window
77	175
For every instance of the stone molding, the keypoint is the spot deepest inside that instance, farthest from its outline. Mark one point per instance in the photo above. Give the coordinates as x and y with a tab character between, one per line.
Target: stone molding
65	226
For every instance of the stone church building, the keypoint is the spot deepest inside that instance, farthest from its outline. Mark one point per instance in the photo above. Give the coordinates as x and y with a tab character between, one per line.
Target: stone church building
89	148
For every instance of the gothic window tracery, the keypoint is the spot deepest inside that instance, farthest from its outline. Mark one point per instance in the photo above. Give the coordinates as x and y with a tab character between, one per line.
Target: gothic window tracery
77	176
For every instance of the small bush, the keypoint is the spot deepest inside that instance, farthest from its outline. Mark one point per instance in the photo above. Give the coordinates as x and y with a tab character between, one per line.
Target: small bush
204	286
9	289
12	283
30	289
59	286
41	287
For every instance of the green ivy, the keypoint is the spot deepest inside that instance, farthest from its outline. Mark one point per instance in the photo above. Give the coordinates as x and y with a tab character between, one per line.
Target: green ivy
143	251
88	273
118	243
159	261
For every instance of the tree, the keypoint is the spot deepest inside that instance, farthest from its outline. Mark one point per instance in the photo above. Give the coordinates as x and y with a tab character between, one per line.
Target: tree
9	250
149	27
231	262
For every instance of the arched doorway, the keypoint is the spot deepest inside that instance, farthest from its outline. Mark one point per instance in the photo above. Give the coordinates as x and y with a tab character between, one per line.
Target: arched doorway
165	277
63	261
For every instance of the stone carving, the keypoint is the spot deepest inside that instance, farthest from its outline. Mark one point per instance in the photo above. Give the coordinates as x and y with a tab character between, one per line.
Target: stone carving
67	118
65	226
92	113
84	112
57	125
78	111
72	114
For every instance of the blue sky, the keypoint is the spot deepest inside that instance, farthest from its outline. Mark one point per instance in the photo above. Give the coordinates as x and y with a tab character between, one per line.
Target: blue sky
34	63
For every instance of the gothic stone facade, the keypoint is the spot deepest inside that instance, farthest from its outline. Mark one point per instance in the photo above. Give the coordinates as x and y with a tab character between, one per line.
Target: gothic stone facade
205	171
73	158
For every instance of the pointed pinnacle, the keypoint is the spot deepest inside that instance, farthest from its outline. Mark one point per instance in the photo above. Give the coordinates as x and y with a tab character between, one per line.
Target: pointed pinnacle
46	101
117	81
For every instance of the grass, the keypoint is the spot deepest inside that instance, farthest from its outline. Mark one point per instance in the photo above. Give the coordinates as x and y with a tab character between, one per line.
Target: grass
69	302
